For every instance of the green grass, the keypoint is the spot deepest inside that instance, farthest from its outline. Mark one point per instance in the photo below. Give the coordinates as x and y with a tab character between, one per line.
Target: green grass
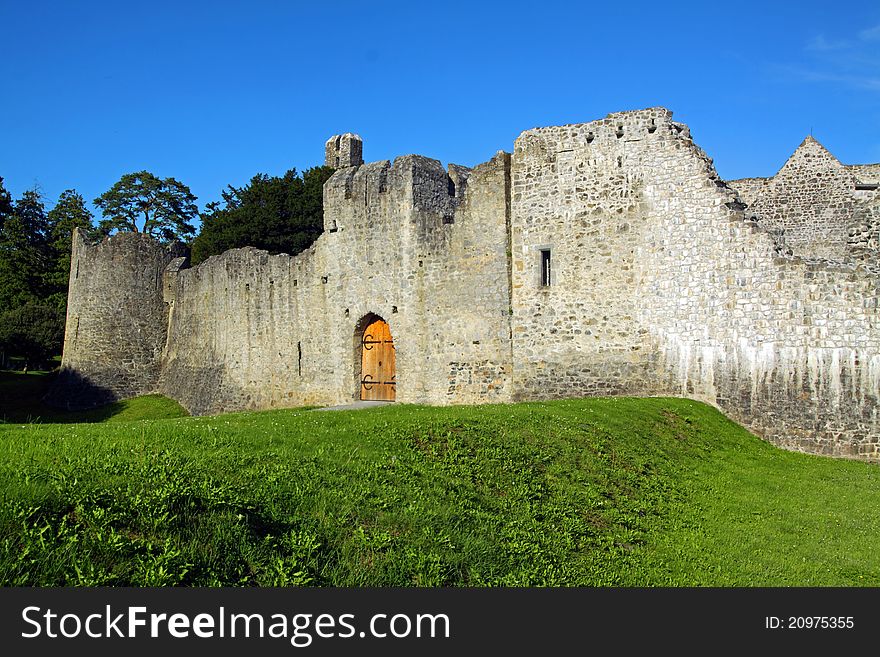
21	394
634	492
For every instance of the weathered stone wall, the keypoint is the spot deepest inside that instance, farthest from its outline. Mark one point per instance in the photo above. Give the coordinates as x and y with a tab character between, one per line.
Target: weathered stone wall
866	173
750	188
789	347
662	285
116	320
579	192
662	282
811	199
863	234
402	242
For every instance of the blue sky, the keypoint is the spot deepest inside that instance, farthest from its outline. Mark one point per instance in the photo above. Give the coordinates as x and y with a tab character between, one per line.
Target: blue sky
213	92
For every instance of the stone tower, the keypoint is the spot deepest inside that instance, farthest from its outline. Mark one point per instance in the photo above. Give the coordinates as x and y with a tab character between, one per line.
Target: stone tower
343	151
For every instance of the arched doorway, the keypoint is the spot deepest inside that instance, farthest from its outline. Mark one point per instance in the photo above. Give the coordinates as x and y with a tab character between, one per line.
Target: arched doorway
377	362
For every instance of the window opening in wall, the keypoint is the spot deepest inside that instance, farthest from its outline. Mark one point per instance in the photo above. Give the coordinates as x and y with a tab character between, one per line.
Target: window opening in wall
299	358
546	271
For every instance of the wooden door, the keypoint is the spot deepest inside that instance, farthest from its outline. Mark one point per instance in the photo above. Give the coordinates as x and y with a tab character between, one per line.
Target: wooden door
377	363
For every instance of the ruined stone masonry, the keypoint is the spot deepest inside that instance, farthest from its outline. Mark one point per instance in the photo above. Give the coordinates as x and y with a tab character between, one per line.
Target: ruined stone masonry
605	258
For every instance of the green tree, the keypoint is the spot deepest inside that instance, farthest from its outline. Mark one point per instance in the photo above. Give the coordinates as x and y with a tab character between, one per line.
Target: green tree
70	212
24	252
5	204
33	331
141	202
280	214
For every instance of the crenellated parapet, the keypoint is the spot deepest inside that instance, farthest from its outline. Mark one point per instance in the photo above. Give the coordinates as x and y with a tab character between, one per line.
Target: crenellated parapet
411	184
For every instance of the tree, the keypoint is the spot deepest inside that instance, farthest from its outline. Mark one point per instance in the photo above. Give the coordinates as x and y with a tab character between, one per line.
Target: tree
5	204
141	202
70	212
24	252
33	331
280	214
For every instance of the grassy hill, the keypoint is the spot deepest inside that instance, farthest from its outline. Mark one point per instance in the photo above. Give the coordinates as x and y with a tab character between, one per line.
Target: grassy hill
582	492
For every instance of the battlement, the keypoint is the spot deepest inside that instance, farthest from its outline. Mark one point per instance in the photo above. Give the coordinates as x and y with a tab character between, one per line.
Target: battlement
411	183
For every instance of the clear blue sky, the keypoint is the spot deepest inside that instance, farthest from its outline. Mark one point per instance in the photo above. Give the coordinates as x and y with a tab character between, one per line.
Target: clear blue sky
214	92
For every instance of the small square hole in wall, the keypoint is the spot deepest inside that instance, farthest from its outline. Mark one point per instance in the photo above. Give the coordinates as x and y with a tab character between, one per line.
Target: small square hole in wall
546	268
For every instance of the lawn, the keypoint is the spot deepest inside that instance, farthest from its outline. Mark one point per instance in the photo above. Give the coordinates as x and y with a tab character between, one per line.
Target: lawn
595	492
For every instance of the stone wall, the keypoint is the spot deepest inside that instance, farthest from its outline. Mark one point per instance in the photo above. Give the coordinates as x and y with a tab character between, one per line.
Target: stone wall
663	285
789	347
403	242
663	279
810	198
750	188
579	192
866	173
116	320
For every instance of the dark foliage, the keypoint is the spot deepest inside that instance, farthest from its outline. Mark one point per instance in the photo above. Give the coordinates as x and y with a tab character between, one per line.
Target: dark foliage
280	214
34	332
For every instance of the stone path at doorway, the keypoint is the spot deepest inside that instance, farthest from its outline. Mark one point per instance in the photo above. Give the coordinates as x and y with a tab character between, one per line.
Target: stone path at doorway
353	406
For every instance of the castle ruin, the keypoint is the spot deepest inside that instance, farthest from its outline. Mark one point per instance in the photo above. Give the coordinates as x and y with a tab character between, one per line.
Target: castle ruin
605	258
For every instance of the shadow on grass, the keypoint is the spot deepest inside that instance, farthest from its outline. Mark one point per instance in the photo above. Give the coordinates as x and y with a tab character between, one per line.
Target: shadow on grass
22	402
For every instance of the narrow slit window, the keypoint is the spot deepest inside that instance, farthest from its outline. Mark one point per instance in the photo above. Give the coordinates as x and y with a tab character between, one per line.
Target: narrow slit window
546	268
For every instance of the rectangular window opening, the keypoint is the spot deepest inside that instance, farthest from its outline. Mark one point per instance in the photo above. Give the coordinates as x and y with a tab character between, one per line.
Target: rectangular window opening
546	269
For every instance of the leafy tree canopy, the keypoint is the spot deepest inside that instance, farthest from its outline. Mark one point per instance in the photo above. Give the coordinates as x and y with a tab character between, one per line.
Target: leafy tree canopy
5	203
33	331
141	202
32	213
70	212
24	252
280	214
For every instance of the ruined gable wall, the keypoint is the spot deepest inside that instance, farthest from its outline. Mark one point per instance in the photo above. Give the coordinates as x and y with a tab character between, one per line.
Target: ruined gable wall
250	330
663	286
811	198
116	320
788	347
